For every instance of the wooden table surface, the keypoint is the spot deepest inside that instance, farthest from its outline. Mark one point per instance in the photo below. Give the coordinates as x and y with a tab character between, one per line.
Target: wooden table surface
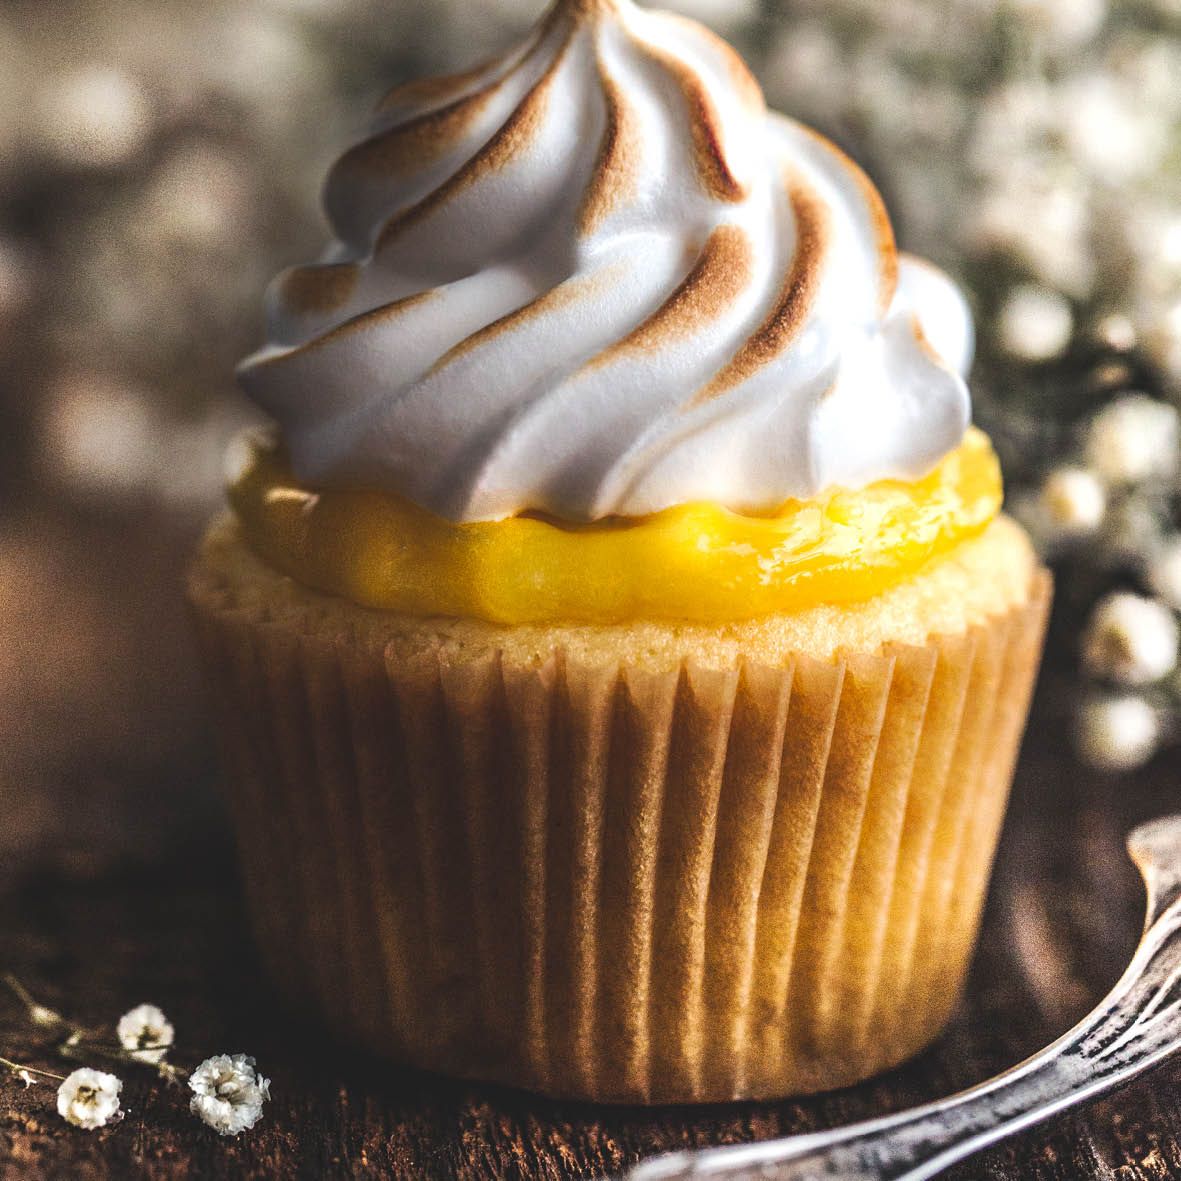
95	939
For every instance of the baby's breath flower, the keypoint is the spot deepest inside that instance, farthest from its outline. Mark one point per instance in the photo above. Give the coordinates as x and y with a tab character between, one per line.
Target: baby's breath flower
38	1013
1035	324
89	1098
1134	438
1162	337
1131	530
1163	572
1074	500
1115	331
146	1032
1131	640
1065	24
1118	733
96	116
228	1093
27	1074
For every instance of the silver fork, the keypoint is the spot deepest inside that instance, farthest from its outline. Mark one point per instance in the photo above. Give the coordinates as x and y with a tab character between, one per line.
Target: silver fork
1133	1028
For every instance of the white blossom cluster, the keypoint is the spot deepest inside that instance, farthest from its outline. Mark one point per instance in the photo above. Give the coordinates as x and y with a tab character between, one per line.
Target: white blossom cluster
145	1033
228	1092
1031	145
89	1098
173	151
1109	508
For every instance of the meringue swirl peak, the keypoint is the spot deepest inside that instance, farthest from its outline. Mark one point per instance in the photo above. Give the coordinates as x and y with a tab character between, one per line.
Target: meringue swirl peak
597	277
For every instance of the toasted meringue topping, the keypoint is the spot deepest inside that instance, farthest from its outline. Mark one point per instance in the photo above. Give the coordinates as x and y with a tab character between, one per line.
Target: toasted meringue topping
596	277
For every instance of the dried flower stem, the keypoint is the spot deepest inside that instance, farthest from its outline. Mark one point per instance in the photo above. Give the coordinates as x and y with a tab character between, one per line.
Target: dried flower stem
77	1049
81	1043
39	1014
21	1071
228	1092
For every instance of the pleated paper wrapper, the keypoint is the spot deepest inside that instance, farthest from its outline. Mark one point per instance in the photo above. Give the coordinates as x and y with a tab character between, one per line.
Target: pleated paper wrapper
605	883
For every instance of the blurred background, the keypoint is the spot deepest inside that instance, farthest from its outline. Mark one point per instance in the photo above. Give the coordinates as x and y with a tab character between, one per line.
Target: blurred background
161	159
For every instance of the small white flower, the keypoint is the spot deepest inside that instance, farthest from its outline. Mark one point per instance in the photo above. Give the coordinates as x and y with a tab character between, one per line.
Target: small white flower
1135	438
89	1098
1131	640
1043	224
1035	324
228	1093
96	116
1074	500
26	1078
1131	531
1162	337
146	1032
1118	733
1111	132
1116	331
1164	572
1066	24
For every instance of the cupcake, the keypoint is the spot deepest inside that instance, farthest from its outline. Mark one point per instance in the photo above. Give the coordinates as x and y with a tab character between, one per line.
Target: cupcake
619	652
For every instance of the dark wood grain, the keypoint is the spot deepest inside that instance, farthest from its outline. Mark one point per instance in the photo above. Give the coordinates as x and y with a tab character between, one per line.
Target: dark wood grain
95	938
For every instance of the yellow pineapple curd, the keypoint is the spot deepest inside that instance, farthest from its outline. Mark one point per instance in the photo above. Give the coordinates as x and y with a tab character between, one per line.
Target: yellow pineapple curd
696	562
